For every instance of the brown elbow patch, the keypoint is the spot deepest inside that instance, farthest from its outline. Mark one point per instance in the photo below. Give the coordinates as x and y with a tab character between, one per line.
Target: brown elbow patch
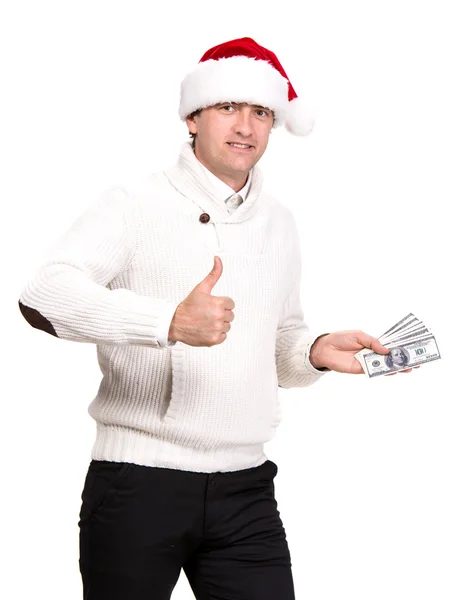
36	319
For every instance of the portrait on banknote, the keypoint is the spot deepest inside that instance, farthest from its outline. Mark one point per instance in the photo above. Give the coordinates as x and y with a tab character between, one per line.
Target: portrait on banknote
398	357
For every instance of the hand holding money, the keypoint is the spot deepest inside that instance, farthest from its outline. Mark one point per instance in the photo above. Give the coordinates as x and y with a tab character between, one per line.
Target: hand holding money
337	351
409	342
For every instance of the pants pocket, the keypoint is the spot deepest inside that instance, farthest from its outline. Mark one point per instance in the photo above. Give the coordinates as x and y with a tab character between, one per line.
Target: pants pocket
101	482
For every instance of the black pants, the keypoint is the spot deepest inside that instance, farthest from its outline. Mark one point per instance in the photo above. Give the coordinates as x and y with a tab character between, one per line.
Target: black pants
139	526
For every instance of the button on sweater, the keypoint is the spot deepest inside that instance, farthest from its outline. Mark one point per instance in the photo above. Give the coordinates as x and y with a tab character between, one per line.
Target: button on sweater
115	278
231	200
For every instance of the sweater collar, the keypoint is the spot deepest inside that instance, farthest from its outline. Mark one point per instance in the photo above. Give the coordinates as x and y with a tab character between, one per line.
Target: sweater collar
189	178
224	190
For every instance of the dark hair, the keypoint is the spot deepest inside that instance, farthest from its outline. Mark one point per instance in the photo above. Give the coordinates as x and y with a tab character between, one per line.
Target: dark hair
194	135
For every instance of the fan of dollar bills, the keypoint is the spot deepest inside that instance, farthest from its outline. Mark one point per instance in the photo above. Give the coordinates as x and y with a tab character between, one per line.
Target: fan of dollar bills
410	343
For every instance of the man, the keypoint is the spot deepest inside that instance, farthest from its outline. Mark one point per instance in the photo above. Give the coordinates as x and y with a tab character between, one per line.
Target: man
191	359
397	358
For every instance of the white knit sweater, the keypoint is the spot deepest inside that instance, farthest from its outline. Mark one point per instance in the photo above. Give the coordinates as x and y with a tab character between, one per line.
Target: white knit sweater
116	277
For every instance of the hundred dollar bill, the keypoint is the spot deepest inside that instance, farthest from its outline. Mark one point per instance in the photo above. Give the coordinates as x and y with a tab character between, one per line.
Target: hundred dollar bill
400	331
409	327
405	355
408	321
417	327
407	335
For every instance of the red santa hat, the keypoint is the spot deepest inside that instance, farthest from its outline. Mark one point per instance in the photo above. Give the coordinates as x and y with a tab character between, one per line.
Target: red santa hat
243	71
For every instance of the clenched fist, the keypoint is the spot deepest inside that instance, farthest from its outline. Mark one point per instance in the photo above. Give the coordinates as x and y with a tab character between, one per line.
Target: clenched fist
202	319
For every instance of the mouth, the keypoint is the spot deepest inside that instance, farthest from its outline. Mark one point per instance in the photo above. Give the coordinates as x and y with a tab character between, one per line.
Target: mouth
240	147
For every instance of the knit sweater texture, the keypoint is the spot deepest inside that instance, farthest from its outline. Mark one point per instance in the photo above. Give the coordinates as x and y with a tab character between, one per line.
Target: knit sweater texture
115	278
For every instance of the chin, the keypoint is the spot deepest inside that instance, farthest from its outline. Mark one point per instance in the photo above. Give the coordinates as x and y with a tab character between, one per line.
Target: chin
245	160
237	165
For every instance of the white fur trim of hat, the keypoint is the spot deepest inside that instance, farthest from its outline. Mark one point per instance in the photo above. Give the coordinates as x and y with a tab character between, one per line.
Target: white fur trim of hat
243	71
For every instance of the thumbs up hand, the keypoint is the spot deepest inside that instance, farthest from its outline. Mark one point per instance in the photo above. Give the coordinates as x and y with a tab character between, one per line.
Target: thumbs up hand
202	319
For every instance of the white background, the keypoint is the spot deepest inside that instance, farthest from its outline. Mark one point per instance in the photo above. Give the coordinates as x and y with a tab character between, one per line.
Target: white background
374	483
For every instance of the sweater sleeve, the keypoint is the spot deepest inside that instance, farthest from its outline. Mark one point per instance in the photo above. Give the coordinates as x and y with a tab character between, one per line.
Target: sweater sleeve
68	295
293	337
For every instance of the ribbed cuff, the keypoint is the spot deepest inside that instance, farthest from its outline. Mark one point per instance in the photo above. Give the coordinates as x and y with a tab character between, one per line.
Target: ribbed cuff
163	327
308	364
151	315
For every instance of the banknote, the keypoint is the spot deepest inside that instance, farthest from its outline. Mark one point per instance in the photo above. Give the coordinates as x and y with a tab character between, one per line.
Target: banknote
411	344
408	321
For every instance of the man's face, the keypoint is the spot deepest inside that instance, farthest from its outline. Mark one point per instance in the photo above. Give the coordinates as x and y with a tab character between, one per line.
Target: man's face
397	356
218	127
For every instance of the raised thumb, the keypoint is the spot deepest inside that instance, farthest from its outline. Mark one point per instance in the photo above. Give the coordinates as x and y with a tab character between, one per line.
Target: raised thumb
210	280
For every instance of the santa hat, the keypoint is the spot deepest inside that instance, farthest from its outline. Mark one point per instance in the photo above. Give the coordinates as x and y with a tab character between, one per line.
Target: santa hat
243	71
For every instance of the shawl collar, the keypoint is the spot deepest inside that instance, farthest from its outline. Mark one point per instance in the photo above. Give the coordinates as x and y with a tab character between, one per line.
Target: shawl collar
188	177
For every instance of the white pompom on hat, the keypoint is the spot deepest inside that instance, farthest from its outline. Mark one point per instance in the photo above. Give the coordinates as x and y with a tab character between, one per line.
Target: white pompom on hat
243	71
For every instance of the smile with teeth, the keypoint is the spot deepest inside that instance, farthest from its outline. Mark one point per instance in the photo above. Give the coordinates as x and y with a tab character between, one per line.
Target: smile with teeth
239	145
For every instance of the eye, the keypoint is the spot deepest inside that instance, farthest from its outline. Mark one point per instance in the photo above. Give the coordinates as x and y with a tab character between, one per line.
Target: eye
263	111
227	106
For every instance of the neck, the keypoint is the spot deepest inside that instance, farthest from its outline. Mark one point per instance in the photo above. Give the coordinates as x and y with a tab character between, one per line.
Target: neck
236	181
188	178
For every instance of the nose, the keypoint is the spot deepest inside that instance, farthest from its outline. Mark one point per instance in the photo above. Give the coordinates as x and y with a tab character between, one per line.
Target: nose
243	124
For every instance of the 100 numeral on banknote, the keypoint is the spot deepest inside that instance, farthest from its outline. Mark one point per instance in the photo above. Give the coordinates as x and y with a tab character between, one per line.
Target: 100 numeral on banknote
404	356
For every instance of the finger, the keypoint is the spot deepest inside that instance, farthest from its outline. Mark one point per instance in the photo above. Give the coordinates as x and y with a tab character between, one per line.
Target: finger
228	302
405	371
370	342
379	348
213	276
390	374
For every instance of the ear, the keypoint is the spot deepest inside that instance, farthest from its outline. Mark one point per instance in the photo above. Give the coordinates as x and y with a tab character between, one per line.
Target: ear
191	124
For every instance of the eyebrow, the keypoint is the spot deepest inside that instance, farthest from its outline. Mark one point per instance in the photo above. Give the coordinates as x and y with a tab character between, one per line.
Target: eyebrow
245	104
